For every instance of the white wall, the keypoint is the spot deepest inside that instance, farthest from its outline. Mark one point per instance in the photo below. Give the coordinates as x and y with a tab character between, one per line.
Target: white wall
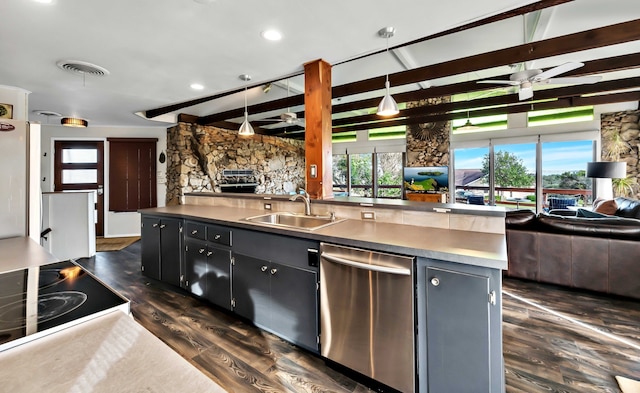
115	224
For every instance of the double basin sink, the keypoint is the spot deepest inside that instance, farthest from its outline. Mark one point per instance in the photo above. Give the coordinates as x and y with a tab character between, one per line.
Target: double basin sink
293	220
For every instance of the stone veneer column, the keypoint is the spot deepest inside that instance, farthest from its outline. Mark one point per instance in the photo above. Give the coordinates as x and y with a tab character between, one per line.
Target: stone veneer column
620	136
428	143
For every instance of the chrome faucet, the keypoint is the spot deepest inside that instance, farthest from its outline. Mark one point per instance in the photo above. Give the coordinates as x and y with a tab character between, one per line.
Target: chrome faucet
307	205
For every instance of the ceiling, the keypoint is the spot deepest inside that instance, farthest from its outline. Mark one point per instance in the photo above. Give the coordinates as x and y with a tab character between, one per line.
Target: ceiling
154	50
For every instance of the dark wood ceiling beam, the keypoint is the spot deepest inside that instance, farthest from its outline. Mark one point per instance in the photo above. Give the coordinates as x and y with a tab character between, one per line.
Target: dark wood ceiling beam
537	6
610	64
253	109
565	102
589	39
509	99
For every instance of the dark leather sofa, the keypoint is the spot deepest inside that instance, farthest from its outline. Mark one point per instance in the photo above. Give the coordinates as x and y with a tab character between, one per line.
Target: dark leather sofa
598	254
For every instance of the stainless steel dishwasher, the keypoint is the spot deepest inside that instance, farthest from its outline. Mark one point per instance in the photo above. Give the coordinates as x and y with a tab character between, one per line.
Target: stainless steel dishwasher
367	314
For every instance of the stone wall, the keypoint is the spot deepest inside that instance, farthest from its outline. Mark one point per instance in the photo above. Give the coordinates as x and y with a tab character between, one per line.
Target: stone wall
428	143
620	132
196	156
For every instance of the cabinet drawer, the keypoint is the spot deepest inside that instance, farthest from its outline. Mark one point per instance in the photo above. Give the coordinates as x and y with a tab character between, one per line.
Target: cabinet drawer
286	250
196	230
219	235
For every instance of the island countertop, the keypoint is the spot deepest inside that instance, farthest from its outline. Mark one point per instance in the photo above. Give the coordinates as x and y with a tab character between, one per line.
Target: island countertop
467	247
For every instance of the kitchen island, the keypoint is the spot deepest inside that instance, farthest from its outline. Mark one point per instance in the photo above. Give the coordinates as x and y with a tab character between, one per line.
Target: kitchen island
271	275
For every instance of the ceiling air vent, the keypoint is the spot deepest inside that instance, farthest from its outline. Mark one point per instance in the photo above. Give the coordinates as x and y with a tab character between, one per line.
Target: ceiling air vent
82	67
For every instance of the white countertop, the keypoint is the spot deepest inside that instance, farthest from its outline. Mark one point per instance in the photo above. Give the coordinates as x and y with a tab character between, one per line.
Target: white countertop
111	353
21	253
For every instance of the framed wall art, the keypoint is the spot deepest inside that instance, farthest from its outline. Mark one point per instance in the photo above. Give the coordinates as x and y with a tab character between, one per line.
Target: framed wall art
6	111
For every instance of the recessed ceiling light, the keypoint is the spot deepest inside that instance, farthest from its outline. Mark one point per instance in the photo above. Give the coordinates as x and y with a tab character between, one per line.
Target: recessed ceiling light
271	35
197	86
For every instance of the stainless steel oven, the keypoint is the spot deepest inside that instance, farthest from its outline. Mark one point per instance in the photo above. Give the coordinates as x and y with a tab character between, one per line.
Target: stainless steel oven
367	314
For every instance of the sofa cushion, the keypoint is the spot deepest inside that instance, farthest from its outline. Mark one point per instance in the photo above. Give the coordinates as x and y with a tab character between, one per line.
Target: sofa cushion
629	208
590	214
611	227
520	219
605	206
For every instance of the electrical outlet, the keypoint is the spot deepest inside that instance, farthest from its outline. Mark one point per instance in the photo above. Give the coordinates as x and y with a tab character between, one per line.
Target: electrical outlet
368	215
267	206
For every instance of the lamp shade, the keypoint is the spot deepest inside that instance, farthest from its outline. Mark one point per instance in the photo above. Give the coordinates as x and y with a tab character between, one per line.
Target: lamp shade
607	170
73	122
245	127
388	106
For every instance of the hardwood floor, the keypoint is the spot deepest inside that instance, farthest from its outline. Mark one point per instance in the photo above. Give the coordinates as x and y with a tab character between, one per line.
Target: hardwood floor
543	350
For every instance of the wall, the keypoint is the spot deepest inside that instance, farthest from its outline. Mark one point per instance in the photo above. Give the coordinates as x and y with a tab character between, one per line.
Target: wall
196	156
115	224
620	133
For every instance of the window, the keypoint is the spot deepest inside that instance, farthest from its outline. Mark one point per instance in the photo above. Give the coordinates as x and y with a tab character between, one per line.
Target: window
361	175
389	175
353	174
132	174
564	171
523	173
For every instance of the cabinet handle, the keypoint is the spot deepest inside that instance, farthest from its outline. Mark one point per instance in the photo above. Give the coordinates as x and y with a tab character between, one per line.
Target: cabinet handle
273	271
435	281
201	251
217	237
155	225
209	253
194	231
263	269
162	226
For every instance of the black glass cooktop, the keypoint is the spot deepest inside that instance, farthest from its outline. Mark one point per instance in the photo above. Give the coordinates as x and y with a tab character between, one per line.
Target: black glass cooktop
36	300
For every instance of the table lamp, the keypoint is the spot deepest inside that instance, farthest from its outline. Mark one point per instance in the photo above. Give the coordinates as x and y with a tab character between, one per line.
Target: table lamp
603	172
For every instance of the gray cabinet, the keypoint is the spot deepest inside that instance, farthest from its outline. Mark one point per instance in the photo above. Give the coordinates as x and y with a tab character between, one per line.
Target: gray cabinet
162	248
275	285
459	334
208	262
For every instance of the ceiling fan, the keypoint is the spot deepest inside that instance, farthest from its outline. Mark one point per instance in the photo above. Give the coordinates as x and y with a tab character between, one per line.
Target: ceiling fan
287	118
525	79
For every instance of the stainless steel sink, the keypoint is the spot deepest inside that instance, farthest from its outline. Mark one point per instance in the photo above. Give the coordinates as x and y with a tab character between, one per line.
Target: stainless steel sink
293	220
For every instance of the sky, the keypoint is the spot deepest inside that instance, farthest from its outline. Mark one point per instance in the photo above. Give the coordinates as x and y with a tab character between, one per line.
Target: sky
557	157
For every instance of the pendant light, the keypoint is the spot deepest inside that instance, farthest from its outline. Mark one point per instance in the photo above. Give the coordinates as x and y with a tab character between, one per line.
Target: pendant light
468	125
245	127
388	106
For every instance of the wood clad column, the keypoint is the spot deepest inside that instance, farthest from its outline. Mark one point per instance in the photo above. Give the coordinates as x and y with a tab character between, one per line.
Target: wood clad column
317	114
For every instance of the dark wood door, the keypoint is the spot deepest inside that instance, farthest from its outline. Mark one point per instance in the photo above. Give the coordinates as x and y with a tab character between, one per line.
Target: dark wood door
78	166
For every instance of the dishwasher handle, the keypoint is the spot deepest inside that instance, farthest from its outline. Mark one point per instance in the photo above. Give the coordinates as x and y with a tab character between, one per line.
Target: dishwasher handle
366	266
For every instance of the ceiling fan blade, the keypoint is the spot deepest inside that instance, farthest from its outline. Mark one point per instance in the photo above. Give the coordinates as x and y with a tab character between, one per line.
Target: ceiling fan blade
579	80
501	82
561	69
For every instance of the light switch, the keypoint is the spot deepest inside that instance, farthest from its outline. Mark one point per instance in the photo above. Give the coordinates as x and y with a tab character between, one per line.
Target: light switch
313	170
